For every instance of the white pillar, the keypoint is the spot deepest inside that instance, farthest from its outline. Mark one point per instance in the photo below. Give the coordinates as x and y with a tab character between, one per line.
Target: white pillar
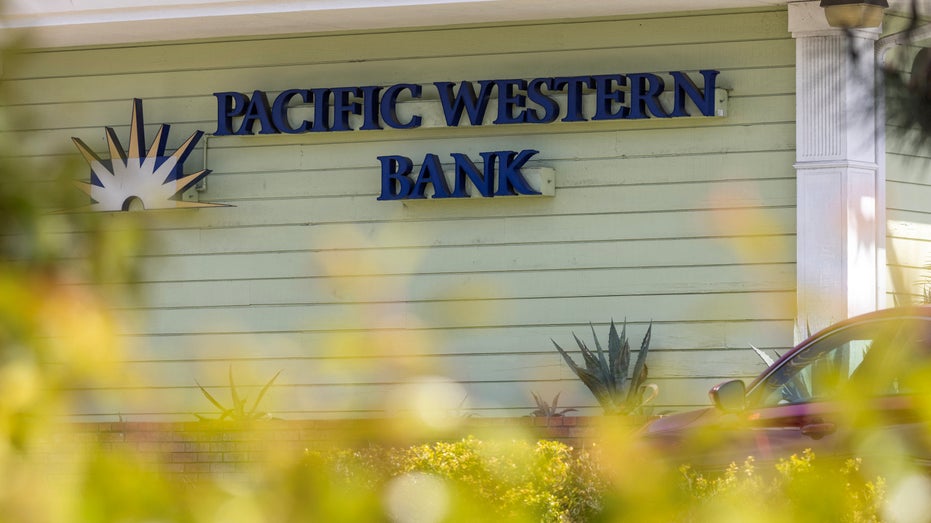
840	237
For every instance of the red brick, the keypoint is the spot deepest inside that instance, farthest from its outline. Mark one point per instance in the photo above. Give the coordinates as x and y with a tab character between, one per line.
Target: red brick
196	467
208	456
173	446
112	436
235	457
181	457
222	467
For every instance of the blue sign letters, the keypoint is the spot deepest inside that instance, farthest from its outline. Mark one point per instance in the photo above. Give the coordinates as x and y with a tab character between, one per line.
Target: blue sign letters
518	101
504	101
397	182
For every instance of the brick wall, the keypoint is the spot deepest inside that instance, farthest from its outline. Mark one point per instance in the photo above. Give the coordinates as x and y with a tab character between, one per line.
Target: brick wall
203	448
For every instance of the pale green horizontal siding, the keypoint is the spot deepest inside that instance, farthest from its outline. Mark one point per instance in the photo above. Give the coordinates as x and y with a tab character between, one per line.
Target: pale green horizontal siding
908	243
688	222
908	192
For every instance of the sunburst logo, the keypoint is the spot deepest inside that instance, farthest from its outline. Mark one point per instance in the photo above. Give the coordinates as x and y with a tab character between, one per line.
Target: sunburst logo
134	176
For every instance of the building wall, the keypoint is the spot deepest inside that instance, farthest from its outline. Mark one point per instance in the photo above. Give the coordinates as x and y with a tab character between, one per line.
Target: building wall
686	222
908	189
908	243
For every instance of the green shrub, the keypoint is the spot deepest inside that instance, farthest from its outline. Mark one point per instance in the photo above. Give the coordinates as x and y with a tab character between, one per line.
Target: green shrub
545	481
799	489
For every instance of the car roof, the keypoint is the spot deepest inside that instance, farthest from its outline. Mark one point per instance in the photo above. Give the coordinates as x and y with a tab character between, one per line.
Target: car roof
909	311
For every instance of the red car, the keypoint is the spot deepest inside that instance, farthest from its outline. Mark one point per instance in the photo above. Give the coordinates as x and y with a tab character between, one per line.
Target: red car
859	388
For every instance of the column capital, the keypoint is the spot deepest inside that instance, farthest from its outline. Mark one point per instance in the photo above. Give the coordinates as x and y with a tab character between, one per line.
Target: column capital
806	19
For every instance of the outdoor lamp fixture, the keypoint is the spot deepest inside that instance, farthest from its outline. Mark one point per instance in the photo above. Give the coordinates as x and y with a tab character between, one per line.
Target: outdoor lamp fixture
854	13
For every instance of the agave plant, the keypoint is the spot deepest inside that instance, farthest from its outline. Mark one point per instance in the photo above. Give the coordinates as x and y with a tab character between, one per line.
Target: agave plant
548	410
608	375
238	411
767	359
798	389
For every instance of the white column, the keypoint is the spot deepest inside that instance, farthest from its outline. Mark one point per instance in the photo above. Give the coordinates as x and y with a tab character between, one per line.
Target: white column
840	238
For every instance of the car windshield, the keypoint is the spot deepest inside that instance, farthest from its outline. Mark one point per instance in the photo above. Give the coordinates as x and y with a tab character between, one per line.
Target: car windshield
868	357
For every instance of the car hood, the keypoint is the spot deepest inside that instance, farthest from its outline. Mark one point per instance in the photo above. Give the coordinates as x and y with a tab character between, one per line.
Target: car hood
691	438
681	421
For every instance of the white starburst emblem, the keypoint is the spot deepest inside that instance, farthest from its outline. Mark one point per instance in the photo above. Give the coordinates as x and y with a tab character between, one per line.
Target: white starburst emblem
134	176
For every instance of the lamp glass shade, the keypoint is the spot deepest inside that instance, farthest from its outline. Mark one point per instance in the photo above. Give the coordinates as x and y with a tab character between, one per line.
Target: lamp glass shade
854	15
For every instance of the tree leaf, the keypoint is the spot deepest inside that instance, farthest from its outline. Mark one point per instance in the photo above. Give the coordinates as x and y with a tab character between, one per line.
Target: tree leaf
763	356
602	394
639	376
614	349
602	362
262	392
210	397
623	361
237	402
591	363
537	399
565	355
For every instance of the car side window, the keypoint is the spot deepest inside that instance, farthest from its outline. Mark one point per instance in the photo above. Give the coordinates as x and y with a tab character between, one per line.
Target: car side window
853	357
817	373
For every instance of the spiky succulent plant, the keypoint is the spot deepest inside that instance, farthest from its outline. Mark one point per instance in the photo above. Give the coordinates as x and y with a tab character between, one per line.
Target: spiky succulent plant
238	411
549	410
607	373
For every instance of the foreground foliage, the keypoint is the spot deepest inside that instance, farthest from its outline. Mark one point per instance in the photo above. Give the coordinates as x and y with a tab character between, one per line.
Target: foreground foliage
547	481
544	481
800	490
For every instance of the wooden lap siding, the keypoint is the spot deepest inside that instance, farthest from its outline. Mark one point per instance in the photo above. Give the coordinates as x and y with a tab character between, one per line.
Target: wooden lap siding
688	222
